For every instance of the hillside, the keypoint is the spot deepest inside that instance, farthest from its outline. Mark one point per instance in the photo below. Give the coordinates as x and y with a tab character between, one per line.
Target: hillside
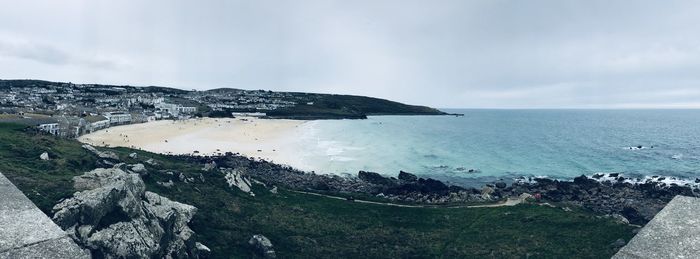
220	102
314	106
308	226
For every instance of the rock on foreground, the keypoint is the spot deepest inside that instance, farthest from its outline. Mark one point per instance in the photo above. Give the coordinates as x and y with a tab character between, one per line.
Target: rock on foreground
27	232
115	217
673	233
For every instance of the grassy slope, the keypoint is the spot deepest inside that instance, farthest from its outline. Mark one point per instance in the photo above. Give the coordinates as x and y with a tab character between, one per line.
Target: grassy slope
328	106
307	226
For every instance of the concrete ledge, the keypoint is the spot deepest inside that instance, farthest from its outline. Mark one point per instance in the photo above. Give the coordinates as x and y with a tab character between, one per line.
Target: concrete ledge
673	233
27	232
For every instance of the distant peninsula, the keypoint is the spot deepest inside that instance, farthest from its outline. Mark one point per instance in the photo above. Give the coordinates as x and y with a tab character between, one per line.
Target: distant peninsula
70	98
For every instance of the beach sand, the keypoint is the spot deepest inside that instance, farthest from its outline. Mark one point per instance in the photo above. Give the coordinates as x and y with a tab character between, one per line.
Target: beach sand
272	140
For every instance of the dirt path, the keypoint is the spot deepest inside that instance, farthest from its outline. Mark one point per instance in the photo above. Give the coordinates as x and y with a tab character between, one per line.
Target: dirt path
509	202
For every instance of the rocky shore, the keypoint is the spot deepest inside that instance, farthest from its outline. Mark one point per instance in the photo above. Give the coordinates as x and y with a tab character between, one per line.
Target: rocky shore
112	203
631	200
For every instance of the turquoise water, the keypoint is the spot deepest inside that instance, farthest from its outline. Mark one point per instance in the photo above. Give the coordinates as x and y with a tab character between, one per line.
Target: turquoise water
509	143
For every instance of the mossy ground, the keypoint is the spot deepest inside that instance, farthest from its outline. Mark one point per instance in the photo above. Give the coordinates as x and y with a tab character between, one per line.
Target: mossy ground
308	226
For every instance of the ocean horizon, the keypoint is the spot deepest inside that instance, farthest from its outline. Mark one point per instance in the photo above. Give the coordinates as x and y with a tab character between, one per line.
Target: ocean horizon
487	144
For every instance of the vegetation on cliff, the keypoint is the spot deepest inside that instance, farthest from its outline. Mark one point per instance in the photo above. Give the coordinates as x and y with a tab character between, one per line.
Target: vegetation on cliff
330	106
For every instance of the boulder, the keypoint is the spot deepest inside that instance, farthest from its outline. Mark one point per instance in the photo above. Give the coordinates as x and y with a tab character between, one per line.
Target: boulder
486	192
185	179
101	154
524	197
202	250
134	155
407	177
151	161
115	217
373	178
433	186
501	185
262	246
167	184
274	190
44	156
138	168
236	178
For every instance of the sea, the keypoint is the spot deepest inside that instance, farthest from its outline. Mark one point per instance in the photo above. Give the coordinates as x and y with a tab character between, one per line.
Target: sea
484	145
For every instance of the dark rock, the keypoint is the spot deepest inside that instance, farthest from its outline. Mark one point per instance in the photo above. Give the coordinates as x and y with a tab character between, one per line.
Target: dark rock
633	216
374	178
544	180
432	186
501	185
407	177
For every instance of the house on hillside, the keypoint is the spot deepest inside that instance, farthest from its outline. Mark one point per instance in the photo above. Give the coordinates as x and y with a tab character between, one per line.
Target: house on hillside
95	123
49	127
117	118
174	110
71	126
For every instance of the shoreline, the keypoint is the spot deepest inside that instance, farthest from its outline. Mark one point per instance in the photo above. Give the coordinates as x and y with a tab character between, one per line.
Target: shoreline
268	139
245	140
631	203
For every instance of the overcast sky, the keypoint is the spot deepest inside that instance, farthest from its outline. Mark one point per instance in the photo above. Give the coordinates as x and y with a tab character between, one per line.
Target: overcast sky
442	53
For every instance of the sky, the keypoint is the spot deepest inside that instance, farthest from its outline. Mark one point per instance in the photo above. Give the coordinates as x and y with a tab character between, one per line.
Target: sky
441	53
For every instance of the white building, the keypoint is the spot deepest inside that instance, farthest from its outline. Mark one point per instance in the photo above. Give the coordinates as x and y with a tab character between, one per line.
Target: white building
118	117
187	109
51	128
175	110
97	123
249	114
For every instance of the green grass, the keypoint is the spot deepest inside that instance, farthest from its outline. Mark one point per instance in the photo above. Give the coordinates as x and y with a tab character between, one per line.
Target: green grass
309	226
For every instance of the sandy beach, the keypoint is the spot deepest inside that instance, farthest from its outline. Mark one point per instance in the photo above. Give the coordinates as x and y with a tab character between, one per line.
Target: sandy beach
272	140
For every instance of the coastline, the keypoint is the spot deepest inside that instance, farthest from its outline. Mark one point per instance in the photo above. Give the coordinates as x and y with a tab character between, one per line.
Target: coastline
269	146
273	140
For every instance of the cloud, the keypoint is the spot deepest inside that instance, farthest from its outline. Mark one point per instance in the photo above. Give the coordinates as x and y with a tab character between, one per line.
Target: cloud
450	53
48	54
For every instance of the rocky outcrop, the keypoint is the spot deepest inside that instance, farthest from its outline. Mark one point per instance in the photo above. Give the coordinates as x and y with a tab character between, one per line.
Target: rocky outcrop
101	154
262	246
407	177
374	178
44	156
236	178
138	168
202	250
409	188
637	203
151	161
115	217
